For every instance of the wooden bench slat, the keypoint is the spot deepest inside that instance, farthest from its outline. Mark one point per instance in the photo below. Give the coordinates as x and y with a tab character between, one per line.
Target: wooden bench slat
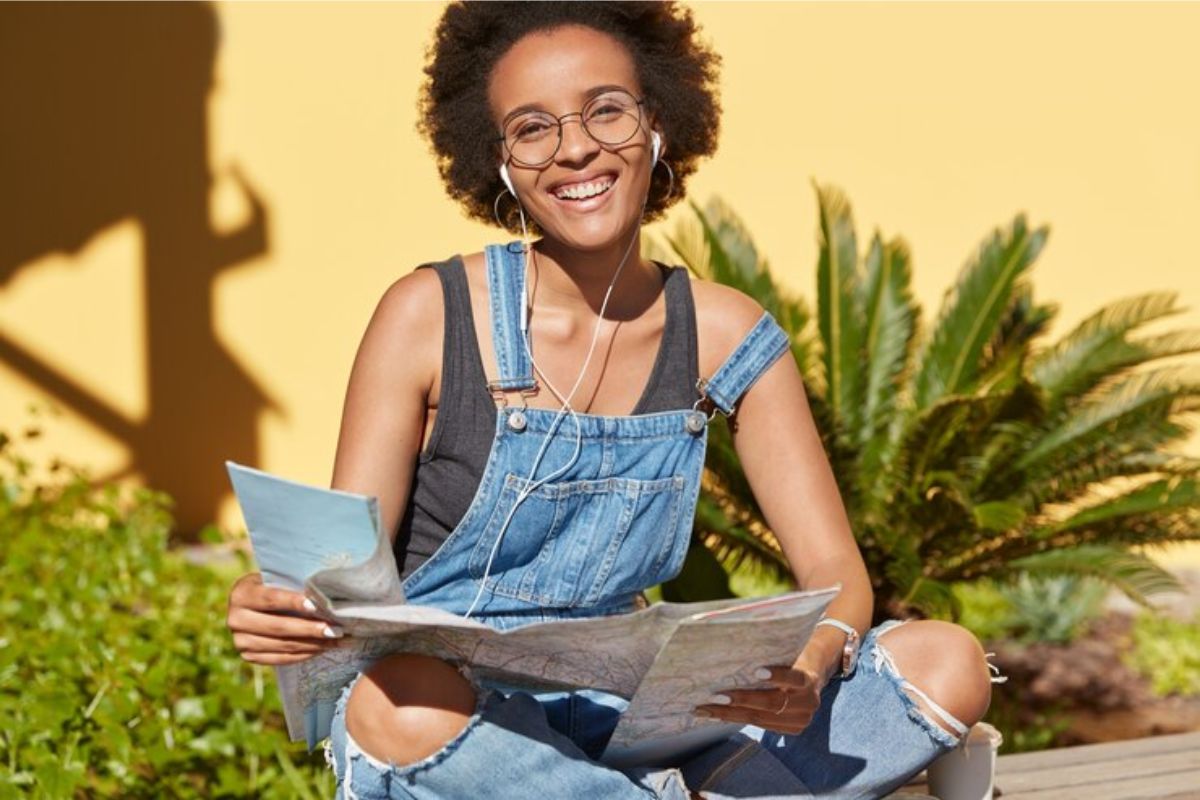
1178	784
1103	751
1160	767
1175	786
1096	775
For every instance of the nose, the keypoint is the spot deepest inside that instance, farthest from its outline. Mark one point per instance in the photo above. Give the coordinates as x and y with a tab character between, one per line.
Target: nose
576	145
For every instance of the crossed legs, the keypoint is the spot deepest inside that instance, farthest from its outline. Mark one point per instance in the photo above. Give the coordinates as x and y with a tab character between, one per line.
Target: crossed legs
408	706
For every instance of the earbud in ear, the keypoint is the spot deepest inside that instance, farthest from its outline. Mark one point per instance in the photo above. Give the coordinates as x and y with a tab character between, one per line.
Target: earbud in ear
655	147
507	180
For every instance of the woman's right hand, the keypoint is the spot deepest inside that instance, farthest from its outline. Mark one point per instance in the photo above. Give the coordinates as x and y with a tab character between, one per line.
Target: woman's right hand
264	635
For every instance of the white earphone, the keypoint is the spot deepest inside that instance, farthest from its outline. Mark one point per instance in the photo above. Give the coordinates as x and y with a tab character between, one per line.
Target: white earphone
507	180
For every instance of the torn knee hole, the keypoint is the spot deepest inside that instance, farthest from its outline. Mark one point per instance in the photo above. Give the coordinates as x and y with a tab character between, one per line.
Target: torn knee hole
398	719
923	702
931	715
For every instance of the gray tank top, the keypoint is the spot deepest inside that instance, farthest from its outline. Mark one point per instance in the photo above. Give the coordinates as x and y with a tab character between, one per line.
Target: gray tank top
450	467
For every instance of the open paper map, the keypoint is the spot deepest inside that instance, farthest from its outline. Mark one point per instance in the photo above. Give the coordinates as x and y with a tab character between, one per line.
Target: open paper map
665	659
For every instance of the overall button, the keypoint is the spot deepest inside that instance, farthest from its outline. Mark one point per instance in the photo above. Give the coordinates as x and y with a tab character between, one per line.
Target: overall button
516	420
695	421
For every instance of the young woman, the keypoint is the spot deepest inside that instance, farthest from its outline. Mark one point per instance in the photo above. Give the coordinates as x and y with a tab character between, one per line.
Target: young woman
542	458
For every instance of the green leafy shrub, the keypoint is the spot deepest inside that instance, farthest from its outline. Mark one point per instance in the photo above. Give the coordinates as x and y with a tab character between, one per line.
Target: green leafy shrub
1027	730
1167	652
986	612
1053	608
1031	608
118	677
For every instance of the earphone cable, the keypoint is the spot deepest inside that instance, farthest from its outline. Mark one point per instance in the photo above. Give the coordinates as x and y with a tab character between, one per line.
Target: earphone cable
530	486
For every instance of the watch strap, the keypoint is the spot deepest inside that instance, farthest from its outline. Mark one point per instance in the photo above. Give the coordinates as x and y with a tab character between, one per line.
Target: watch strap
850	650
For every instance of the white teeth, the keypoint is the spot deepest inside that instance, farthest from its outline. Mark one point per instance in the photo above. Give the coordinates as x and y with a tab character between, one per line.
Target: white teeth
580	191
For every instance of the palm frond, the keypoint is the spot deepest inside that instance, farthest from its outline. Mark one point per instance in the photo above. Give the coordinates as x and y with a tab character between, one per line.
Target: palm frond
1002	363
735	539
726	227
1091	466
933	439
1156	528
714	245
891	322
733	261
721	464
987	451
688	244
1152	394
839	311
933	596
1177	492
1131	573
999	515
1098	347
949	361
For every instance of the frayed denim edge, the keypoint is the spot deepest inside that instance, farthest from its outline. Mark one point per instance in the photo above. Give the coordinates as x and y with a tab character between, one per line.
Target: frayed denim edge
663	783
409	771
915	712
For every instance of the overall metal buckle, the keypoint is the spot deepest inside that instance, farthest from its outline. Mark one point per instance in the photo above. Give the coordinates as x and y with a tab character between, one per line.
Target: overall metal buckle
516	418
697	419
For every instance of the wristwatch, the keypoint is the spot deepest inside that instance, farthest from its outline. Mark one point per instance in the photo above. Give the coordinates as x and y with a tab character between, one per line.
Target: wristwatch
850	650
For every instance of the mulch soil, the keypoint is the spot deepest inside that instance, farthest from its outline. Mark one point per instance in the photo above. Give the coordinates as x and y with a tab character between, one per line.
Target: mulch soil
1087	682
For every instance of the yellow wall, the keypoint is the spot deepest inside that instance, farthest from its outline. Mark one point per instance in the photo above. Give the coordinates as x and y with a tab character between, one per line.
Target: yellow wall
187	268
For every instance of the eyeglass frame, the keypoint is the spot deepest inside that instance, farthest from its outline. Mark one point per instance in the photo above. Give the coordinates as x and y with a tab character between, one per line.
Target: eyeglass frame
638	103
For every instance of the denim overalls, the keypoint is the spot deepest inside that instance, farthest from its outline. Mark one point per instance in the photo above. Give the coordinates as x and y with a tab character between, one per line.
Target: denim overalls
585	543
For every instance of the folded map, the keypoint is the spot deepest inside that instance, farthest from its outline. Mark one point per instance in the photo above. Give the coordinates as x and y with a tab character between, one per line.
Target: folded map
664	659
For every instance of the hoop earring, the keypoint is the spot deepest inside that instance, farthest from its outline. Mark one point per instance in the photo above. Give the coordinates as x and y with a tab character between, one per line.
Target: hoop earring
670	176
496	208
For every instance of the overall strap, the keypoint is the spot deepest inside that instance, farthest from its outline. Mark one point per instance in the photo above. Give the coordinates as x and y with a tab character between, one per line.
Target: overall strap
506	296
757	351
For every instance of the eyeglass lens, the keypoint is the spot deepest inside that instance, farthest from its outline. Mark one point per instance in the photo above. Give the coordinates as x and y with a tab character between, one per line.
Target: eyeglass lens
534	137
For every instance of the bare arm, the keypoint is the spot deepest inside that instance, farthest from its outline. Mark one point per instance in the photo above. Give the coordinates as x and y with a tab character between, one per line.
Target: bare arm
382	428
780	450
781	453
383	418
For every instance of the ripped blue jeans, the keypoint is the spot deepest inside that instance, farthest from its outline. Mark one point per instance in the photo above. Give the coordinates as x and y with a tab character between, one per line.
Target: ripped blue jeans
868	738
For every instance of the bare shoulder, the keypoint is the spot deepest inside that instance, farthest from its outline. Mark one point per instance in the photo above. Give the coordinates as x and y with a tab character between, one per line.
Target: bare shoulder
398	339
411	296
724	315
412	304
475	265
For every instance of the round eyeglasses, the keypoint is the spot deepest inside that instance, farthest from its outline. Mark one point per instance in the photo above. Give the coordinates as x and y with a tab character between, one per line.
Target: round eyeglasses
532	138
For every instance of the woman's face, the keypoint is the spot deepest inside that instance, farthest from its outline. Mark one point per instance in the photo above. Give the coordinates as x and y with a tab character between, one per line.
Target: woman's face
557	72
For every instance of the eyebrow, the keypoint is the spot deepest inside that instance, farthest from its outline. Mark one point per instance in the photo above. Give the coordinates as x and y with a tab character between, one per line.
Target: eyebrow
595	90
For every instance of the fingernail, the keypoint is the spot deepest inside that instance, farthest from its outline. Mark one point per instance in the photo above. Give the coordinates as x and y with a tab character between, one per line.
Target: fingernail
762	673
721	699
702	712
309	605
333	631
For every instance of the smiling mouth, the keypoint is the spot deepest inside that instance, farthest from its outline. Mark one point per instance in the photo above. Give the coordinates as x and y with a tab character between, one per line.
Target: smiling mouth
577	192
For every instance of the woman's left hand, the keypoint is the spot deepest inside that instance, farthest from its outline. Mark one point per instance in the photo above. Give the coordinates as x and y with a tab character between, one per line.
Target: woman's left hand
795	691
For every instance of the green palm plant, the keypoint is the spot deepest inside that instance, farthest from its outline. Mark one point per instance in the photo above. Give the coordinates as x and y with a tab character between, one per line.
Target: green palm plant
970	449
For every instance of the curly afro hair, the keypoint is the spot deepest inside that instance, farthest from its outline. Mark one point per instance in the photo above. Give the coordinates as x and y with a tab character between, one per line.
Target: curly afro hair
677	71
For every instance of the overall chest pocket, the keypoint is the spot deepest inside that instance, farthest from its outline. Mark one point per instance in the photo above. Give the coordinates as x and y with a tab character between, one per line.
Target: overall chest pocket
578	543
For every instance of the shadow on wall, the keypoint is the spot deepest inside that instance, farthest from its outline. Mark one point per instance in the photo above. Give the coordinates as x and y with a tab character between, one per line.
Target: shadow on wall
105	120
